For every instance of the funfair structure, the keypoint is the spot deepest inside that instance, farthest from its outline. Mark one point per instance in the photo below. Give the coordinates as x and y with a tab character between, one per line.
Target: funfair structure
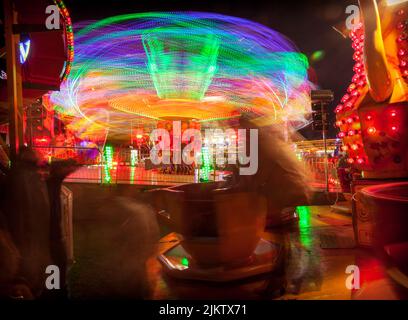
372	118
135	70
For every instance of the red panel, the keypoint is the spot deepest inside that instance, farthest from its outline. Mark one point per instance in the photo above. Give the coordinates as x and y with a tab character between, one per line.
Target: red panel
48	50
46	59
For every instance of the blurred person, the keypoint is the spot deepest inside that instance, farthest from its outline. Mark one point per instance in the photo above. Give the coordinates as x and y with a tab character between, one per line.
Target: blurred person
58	171
280	176
10	258
26	212
134	235
32	218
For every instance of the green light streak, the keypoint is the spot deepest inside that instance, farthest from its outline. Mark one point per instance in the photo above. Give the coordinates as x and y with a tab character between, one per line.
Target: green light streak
108	163
185	262
175	80
132	175
304	216
133	157
305	226
317	55
206	166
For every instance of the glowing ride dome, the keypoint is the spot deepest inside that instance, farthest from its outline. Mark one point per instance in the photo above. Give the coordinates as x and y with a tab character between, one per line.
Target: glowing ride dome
147	67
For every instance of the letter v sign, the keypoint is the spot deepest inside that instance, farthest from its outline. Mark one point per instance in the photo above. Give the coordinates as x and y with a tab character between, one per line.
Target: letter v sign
24	50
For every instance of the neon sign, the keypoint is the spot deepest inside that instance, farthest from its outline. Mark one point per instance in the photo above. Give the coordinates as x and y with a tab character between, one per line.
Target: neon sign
24	50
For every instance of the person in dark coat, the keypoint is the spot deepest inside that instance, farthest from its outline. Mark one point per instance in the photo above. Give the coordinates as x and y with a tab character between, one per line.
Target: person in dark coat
58	171
31	227
26	211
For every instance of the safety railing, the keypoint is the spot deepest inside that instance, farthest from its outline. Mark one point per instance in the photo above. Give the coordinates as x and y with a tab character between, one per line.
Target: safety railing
315	168
93	167
89	160
121	169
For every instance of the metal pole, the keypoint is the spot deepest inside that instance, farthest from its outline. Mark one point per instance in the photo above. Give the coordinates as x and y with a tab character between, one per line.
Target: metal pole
31	125
14	84
326	164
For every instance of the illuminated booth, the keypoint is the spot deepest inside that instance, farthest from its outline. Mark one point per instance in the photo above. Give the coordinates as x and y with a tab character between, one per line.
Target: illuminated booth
45	58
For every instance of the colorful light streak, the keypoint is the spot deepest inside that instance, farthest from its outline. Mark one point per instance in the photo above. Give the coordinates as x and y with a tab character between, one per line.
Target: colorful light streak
144	67
108	163
69	38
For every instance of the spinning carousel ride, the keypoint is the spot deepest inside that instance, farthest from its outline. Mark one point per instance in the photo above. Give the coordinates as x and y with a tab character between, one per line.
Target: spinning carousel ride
147	67
138	70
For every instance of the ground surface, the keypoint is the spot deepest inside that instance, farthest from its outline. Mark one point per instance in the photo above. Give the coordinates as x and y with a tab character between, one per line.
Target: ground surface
311	271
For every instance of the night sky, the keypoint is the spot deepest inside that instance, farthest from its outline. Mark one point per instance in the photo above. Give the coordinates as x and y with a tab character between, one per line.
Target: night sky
307	23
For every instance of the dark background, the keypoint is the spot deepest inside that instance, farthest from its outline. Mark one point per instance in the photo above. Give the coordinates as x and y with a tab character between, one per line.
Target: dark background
309	24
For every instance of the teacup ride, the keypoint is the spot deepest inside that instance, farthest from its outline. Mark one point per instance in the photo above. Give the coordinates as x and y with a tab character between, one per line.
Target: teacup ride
219	231
386	208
